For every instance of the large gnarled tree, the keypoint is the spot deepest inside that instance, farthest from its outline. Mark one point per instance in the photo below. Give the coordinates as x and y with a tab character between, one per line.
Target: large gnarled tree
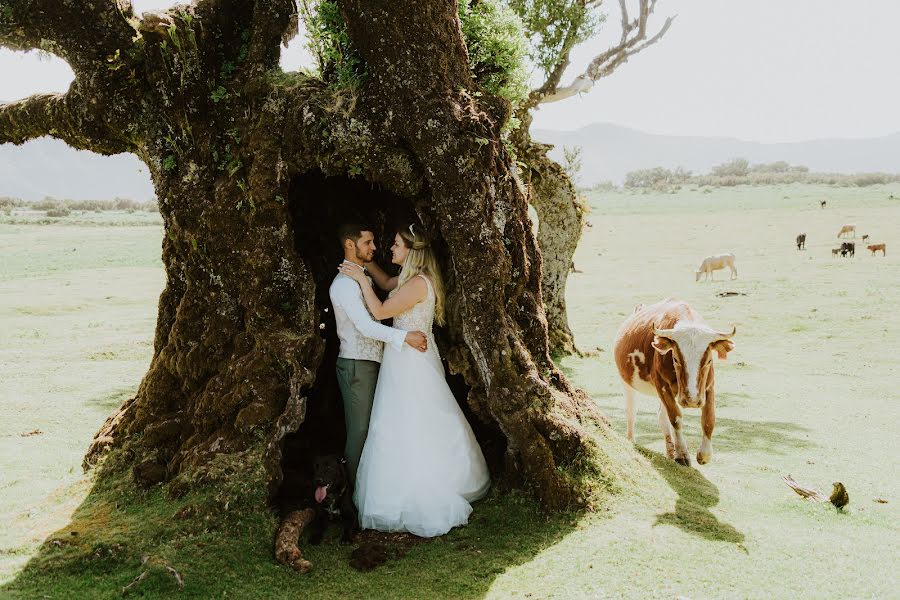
246	161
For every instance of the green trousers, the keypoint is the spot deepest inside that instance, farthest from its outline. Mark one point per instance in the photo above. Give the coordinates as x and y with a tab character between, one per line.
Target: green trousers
357	379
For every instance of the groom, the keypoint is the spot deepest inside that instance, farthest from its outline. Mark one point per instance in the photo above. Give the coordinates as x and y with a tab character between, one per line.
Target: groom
362	339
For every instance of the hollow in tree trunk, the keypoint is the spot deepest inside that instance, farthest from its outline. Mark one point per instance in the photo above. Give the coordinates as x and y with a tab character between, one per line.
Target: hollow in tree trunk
248	164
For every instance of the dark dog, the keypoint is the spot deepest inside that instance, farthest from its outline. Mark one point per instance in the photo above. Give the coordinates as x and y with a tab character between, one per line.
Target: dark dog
333	497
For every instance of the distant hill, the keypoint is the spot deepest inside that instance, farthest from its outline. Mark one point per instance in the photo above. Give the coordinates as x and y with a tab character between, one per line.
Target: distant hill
610	151
47	167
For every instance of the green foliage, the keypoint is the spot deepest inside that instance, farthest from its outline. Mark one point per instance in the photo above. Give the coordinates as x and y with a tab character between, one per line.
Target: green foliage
572	162
656	178
329	43
553	27
736	167
494	36
170	163
497	48
218	94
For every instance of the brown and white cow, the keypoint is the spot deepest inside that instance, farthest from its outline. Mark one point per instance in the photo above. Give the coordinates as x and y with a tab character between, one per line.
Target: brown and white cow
665	350
873	248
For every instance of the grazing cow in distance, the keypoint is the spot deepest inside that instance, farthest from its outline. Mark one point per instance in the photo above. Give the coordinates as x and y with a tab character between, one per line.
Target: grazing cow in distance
715	263
801	241
665	350
847	229
873	248
848	248
822	204
835	252
865	238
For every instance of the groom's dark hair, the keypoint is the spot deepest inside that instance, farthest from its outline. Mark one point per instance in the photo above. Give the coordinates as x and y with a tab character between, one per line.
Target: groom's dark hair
352	231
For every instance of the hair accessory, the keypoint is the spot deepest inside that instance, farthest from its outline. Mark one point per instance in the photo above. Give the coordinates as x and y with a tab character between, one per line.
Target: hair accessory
411	229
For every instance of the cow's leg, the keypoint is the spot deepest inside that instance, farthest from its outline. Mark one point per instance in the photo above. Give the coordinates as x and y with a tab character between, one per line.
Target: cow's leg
707	423
673	412
630	410
666	430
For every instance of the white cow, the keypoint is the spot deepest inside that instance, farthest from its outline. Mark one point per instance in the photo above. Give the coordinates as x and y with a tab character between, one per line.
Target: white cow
715	263
846	230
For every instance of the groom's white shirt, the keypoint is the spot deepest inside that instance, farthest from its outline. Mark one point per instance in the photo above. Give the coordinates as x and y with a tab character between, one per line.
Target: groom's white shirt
360	334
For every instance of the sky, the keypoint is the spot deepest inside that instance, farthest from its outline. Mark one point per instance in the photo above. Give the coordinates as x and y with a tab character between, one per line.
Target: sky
759	70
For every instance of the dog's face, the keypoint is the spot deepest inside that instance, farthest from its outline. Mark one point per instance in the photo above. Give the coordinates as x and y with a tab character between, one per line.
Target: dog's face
329	477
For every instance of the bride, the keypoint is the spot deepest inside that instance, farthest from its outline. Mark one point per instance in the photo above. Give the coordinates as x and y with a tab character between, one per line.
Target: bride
421	464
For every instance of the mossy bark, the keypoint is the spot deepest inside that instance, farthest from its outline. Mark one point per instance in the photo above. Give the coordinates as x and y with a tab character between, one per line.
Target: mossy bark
196	93
560	224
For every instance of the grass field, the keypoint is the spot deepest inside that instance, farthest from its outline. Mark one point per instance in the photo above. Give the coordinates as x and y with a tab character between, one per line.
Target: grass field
810	390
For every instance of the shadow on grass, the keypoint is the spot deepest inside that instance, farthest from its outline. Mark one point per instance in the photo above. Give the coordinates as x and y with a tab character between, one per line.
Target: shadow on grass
110	401
696	495
731	435
118	533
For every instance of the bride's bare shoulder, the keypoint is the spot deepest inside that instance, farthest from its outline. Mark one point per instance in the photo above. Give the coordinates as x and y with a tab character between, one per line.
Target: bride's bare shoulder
416	286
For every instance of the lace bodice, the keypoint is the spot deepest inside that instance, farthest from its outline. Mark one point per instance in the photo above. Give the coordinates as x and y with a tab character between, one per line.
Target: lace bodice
421	316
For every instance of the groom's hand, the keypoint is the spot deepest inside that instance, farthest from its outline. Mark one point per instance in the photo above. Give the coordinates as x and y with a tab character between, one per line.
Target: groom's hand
417	340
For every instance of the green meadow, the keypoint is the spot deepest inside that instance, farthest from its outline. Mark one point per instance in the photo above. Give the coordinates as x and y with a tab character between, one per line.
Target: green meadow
810	390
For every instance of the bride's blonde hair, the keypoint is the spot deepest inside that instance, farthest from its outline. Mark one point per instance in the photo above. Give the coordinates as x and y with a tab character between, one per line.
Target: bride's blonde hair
421	260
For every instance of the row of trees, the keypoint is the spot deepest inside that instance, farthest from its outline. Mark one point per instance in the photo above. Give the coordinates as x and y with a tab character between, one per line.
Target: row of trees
739	171
56	204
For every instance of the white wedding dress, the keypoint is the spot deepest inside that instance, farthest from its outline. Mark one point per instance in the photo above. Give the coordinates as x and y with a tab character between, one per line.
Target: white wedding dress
421	464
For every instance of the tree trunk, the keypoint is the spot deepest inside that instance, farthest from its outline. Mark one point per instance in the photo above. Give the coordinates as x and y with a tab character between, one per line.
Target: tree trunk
253	167
560	223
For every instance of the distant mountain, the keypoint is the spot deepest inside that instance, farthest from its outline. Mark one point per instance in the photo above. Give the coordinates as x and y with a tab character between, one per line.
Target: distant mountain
610	151
48	167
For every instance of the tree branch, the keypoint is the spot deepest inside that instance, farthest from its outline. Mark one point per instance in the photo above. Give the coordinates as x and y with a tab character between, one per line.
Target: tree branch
84	34
633	40
555	76
55	115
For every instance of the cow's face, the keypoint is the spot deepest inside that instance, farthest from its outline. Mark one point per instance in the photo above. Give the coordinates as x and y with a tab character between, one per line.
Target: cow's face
692	348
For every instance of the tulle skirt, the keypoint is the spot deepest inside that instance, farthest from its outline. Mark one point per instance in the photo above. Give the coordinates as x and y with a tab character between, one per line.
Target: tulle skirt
421	465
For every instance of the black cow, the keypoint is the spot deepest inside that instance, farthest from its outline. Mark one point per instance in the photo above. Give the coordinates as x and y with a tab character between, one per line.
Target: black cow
848	249
801	241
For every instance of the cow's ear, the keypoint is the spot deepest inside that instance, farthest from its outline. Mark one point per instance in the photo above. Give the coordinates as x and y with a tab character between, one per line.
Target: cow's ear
662	344
722	348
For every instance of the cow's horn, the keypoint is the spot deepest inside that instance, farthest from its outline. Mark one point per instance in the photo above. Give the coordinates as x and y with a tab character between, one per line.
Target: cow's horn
727	336
663	332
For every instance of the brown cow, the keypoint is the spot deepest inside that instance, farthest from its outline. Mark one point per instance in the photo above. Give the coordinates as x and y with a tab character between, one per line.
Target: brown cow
665	350
873	248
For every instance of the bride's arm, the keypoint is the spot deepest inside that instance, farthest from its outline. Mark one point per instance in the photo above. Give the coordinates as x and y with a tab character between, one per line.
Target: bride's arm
412	292
382	279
